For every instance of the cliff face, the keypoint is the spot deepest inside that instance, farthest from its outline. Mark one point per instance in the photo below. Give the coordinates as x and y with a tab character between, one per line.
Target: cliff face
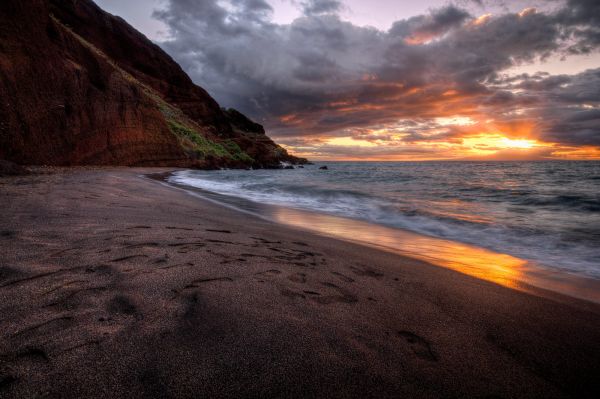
80	86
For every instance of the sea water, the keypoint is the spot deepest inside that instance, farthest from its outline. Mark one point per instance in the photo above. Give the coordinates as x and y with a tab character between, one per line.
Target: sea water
543	212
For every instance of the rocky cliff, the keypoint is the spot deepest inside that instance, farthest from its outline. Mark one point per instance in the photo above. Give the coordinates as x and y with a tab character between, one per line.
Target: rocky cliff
80	86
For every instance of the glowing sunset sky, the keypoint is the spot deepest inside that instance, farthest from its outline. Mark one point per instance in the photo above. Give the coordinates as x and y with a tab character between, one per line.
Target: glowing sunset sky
395	80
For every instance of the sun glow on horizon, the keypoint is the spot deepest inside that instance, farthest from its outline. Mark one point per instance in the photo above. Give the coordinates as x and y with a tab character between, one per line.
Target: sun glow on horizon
489	143
350	142
468	138
518	143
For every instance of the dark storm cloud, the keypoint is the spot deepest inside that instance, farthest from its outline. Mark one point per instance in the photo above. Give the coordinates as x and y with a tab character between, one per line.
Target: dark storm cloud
321	75
572	114
438	22
582	20
315	7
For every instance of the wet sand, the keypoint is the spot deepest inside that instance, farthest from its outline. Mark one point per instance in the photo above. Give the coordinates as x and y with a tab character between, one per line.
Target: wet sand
114	285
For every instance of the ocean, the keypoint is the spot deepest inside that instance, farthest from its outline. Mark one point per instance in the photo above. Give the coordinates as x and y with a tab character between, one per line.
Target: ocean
547	213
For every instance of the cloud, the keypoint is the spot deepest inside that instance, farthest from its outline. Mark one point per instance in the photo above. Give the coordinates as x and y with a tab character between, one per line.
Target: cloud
323	76
423	28
316	7
581	19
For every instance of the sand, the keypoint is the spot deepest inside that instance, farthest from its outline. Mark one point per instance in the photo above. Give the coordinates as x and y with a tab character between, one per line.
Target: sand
114	285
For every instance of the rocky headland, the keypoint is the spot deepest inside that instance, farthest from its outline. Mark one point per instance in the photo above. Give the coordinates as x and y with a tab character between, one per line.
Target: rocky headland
79	86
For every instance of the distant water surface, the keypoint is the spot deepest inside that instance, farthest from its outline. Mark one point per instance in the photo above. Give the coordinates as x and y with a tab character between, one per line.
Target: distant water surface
543	212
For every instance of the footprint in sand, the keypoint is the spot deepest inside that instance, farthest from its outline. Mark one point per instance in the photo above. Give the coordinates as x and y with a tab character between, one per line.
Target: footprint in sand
264	241
366	271
292	294
419	345
269	273
343	277
142	245
194	284
223	242
342	295
311	292
33	354
298	278
124	258
329	299
122	305
219	231
101	269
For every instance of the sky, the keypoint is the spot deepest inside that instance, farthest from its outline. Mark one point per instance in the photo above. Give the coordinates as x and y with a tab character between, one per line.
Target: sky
392	79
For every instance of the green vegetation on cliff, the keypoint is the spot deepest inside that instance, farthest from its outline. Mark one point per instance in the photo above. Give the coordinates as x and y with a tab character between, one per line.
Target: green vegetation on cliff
179	124
204	147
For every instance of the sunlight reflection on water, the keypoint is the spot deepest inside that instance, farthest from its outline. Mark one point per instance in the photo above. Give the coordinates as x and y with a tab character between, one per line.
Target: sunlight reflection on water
499	268
484	264
496	267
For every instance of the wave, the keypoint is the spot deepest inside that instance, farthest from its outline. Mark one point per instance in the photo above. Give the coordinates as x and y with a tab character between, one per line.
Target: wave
511	226
575	202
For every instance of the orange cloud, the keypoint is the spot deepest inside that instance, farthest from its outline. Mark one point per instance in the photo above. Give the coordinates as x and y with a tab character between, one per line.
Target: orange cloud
467	140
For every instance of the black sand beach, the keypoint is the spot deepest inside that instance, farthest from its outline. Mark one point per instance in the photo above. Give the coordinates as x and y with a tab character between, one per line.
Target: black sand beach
114	285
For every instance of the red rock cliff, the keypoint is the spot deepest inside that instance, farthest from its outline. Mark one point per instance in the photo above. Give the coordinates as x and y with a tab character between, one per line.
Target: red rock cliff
80	86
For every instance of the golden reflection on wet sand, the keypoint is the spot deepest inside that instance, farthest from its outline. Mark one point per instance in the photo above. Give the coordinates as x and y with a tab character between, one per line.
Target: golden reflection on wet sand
487	265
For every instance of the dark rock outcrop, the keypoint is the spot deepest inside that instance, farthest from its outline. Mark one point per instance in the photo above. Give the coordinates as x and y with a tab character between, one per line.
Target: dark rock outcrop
80	86
241	122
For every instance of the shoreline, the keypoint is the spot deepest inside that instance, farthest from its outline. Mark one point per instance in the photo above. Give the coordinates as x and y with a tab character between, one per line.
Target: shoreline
112	284
479	262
